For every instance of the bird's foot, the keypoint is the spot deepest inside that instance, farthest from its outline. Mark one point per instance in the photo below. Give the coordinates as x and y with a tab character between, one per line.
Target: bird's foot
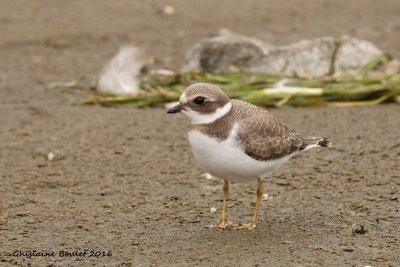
247	226
223	224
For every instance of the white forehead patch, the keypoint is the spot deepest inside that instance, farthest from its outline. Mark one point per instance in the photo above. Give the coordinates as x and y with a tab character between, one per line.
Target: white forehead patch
198	118
183	98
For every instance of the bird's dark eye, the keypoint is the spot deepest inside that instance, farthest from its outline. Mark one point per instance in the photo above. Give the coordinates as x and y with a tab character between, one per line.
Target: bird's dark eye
199	100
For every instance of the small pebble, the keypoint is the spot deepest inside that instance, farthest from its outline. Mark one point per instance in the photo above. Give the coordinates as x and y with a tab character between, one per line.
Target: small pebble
207	176
168	10
266	197
50	156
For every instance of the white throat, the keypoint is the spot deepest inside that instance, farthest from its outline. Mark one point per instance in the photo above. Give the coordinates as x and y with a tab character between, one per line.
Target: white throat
198	118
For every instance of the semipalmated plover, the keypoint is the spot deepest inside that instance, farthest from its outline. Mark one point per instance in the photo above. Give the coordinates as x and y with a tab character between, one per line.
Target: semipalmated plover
237	141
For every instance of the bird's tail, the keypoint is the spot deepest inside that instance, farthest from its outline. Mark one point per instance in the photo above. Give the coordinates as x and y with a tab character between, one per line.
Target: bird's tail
311	142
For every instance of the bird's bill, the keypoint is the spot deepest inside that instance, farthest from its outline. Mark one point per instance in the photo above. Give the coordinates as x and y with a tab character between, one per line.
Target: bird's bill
175	109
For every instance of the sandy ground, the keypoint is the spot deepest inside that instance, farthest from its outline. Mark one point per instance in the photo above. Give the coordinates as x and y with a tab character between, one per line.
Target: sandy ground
124	181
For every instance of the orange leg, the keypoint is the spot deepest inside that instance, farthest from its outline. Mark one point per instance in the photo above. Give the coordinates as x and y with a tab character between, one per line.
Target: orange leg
252	225
224	222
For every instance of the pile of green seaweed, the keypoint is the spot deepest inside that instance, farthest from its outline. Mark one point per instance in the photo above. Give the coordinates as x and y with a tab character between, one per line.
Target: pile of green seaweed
362	89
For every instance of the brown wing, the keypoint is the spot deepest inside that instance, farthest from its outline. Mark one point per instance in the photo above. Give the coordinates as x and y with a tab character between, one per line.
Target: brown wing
263	136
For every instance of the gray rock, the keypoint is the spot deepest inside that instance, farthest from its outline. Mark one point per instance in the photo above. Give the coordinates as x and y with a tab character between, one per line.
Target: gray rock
307	58
229	52
224	52
352	54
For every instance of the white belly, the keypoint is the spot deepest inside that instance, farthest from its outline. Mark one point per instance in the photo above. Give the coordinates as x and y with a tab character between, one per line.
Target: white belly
227	159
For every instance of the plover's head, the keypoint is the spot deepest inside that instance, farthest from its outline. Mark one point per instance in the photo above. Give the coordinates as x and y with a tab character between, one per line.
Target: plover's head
203	103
